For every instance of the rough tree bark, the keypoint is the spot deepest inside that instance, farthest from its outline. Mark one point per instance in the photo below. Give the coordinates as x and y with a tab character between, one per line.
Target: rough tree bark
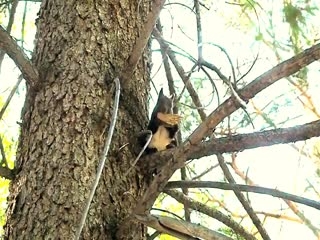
81	46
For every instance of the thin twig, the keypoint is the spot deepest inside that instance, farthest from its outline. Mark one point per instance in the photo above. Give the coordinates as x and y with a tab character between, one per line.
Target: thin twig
236	96
229	60
102	159
214	86
9	26
180	4
181	72
250	68
167	211
256	221
166	65
285	68
23	22
211	212
141	152
214	68
205	172
199	30
301	215
153	235
287	200
13	90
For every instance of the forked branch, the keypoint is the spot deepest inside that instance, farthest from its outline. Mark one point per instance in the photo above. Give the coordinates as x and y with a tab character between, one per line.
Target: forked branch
265	80
10	47
141	42
176	159
239	142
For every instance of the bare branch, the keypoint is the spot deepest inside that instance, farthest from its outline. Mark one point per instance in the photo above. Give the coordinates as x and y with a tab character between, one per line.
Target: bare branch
153	222
167	67
175	159
9	26
302	216
290	204
237	143
13	91
179	228
257	139
209	211
205	172
243	188
216	70
181	72
199	30
175	110
9	46
245	203
11	1
153	235
283	69
141	42
171	160
102	159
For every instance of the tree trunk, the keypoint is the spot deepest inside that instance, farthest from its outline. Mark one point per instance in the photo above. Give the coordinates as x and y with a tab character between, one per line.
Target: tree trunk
81	46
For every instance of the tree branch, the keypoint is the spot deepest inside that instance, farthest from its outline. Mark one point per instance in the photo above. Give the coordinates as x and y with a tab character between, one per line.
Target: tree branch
254	140
171	160
209	211
11	1
185	78
294	208
9	26
176	158
243	188
10	46
199	29
238	142
179	228
6	173
245	203
141	42
283	69
12	92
